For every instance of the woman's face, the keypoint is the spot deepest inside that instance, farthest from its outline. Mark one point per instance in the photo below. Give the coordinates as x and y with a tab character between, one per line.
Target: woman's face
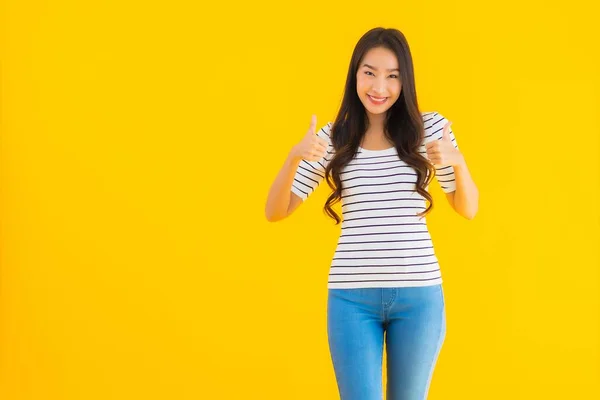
378	80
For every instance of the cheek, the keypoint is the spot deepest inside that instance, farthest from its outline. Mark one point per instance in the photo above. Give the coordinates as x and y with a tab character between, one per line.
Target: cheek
397	88
360	85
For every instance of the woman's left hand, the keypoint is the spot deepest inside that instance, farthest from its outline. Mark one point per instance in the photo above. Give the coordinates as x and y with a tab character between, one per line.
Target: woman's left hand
443	152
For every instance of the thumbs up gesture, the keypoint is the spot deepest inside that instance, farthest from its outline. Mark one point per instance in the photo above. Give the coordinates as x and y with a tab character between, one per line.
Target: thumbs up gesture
443	152
311	147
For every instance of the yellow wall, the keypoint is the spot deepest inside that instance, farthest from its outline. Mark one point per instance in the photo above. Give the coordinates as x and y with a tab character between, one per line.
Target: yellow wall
139	142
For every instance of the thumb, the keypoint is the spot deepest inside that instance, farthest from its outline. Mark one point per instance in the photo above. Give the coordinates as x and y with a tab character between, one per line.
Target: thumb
313	124
446	132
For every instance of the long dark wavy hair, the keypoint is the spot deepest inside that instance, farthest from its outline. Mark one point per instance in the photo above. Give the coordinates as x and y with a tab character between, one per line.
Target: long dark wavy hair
403	123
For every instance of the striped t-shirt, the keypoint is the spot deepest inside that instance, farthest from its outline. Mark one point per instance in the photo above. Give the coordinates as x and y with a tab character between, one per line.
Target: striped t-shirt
383	243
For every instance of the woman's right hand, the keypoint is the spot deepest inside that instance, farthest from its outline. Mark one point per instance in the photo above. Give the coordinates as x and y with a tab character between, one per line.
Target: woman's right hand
312	147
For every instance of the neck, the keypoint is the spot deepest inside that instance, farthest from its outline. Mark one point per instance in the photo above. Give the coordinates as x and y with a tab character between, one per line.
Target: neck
376	124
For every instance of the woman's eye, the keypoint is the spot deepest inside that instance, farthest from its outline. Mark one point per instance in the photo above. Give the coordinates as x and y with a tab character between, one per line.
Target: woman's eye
392	76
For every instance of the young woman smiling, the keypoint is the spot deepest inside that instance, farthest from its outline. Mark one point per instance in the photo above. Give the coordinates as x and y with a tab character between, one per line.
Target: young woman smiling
378	156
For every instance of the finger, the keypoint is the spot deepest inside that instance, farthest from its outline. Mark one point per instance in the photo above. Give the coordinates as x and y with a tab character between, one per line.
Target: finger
316	156
312	152
322	141
432	152
438	160
446	131
313	123
320	146
432	143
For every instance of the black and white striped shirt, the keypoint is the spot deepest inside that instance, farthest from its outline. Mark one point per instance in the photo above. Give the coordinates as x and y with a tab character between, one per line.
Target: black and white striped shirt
383	243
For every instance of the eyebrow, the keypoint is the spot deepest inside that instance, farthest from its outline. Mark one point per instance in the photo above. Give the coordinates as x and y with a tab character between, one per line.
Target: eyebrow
389	70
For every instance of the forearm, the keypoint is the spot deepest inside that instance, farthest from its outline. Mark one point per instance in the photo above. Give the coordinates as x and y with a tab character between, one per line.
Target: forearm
466	196
278	200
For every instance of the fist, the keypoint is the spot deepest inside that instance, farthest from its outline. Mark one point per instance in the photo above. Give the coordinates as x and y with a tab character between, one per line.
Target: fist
311	147
443	152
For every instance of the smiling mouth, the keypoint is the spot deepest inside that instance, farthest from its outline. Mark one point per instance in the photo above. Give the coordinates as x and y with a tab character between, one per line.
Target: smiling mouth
377	100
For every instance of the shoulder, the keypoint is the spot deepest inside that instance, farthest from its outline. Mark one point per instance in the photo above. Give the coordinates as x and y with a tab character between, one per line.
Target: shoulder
433	123
324	132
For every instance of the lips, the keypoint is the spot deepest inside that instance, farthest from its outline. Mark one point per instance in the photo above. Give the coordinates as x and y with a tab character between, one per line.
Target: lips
377	100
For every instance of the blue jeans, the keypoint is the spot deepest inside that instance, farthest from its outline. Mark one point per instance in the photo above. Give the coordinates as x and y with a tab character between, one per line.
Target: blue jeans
414	322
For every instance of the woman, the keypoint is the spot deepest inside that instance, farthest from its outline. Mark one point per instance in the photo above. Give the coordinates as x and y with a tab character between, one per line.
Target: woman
378	157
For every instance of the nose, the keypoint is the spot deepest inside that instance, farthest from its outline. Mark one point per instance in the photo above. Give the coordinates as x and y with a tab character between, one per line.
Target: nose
379	87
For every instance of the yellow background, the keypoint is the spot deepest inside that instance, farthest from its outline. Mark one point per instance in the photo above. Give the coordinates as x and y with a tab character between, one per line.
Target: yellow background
139	142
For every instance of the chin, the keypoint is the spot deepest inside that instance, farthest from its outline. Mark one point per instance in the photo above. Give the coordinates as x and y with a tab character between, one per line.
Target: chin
377	110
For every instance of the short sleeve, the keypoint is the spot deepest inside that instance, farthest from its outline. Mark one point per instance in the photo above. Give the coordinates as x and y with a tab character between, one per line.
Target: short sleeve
434	126
309	174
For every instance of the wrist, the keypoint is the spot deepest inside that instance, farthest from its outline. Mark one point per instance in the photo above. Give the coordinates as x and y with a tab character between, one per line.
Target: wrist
461	163
293	156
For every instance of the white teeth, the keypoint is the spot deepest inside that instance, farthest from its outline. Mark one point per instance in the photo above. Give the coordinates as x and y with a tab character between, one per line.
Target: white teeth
377	98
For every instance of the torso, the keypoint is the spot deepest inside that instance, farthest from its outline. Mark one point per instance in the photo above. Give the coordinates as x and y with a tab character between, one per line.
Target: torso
375	142
383	242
